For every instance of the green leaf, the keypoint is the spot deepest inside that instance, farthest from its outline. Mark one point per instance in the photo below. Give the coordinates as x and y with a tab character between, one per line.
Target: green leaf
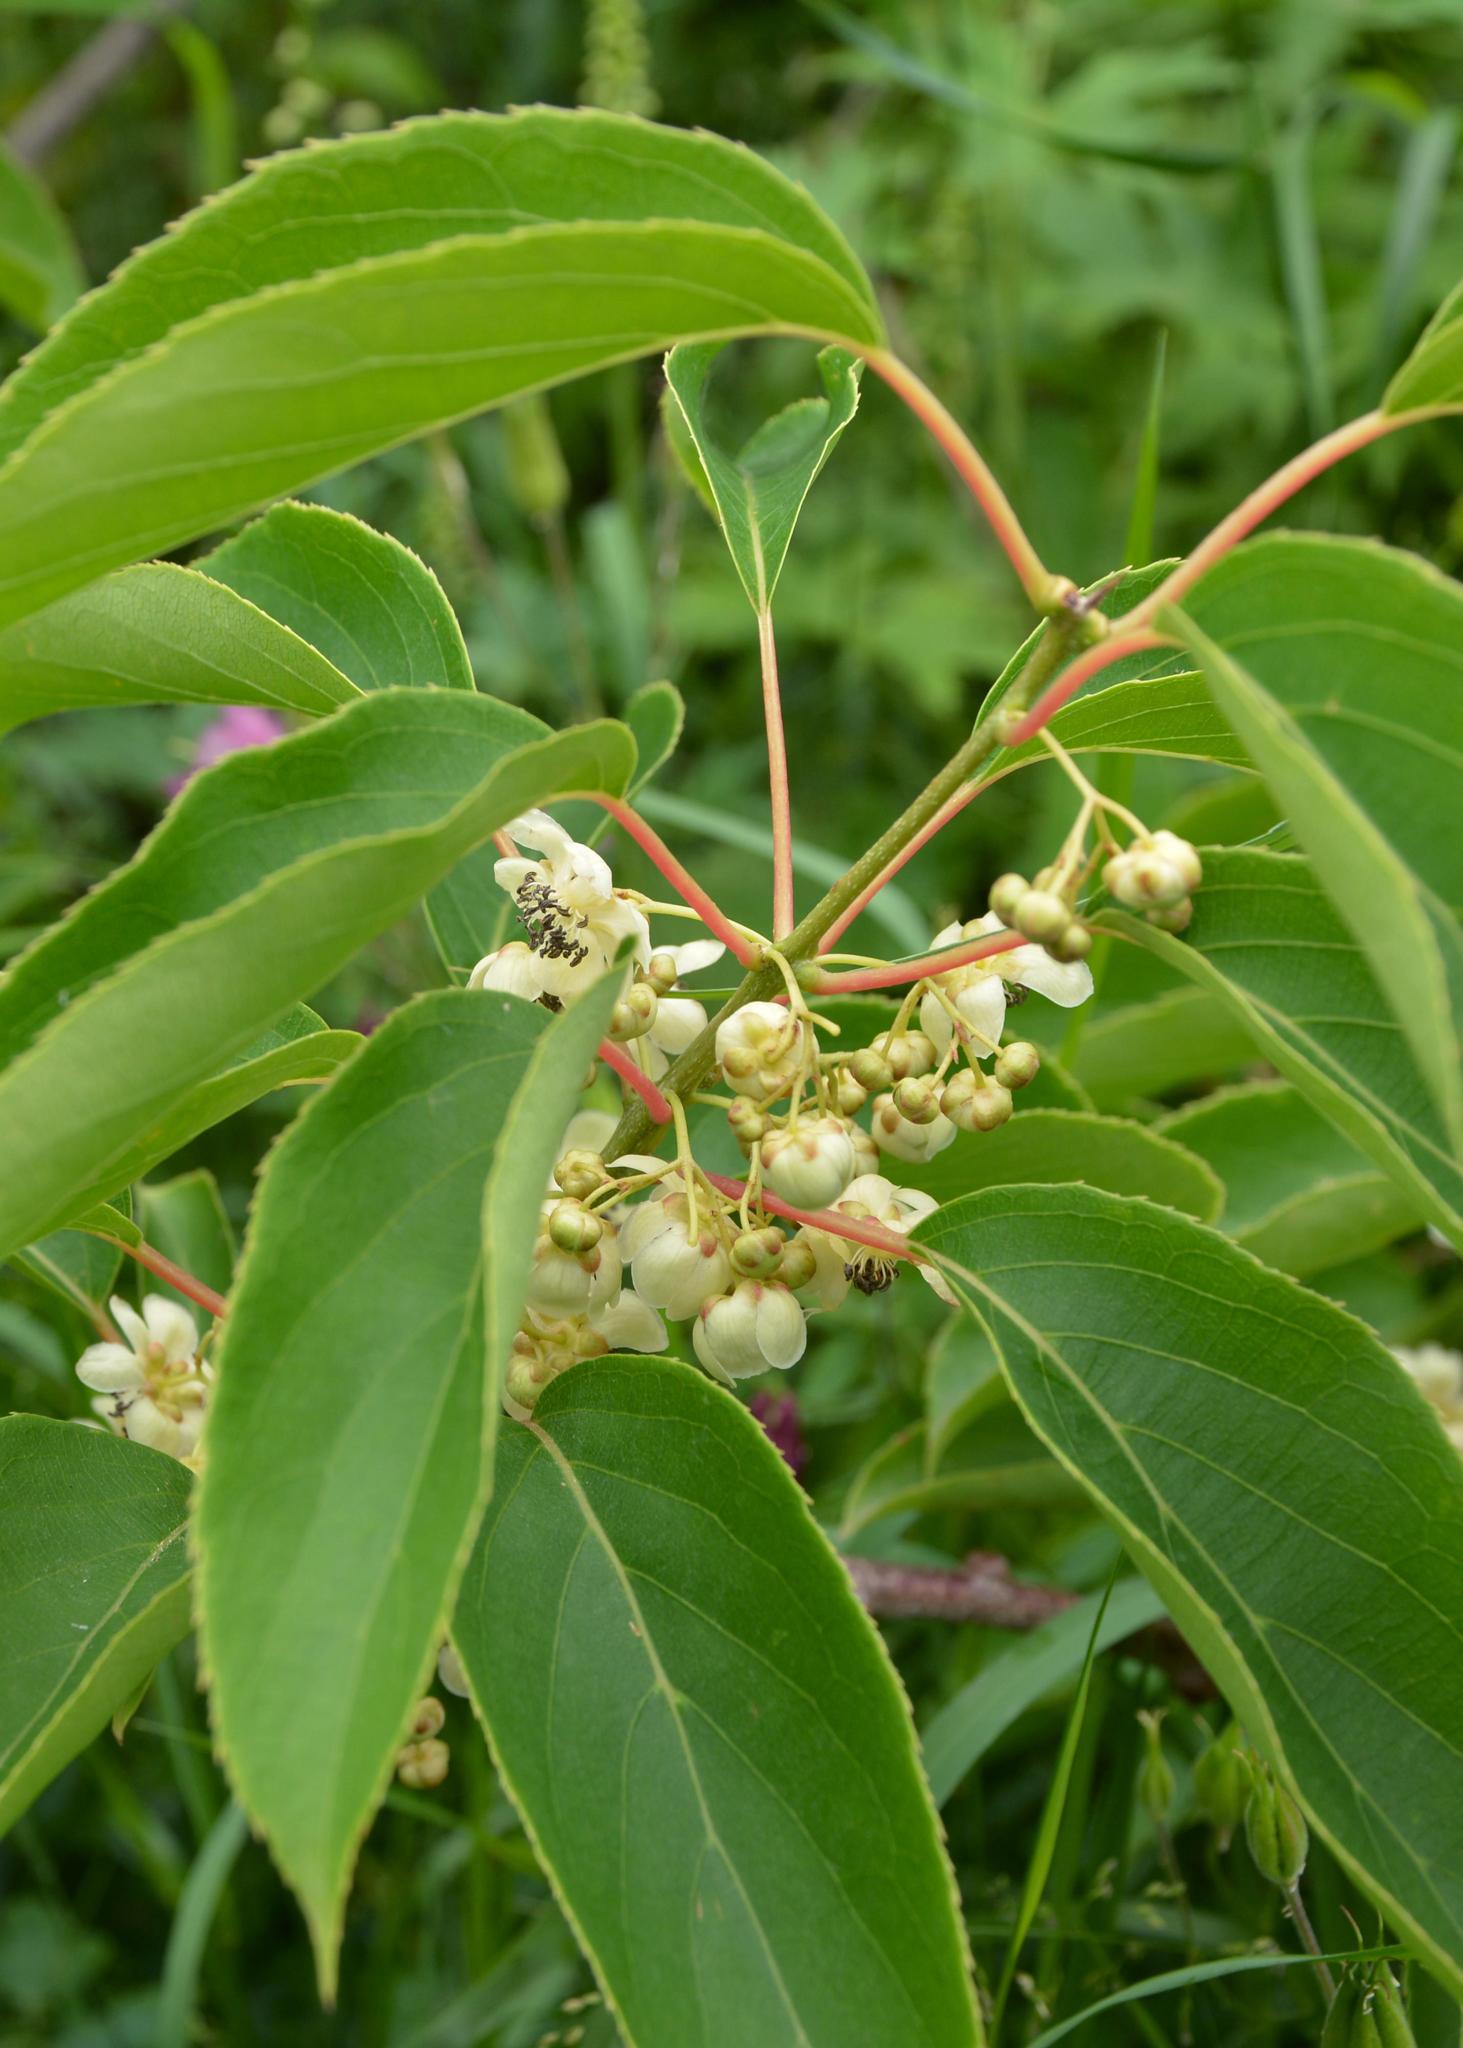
971	1722
1073	1145
757	493
1337	662
1173	715
1432	375
994	1462
1281	1483
350	1439
159	634
1299	1194
1141	1050
93	1589
1266	940
371	607
251	893
185	1218
656	715
962	1381
701	1730
40	270
1199	1973
77	1265
343	299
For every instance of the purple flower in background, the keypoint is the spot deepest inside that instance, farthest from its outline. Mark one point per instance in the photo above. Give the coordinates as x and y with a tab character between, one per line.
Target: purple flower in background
778	1415
234	730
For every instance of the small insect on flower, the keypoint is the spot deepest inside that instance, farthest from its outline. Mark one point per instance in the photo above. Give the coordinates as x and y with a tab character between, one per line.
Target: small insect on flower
575	920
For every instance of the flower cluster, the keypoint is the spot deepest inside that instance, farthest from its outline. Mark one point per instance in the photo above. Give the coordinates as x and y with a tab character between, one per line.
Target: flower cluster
153	1389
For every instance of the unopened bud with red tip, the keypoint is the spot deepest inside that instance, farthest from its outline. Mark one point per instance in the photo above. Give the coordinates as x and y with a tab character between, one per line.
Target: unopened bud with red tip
974	1103
1075	943
1173	917
759	1254
760	1049
755	1328
909	1054
749	1121
1275	1828
897	1135
849	1093
427	1718
1016	1065
580	1172
423	1765
918	1099
1042	916
673	1270
662	973
634	1013
1006	893
799	1262
573	1228
809	1163
872	1071
1158	869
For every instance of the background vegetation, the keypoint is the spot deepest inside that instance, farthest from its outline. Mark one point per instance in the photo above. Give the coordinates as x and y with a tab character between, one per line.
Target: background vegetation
1144	249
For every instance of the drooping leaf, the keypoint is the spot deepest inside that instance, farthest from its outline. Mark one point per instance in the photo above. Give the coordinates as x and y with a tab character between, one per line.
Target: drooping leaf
1433	374
93	1589
1267	941
1281	1483
350	1440
701	1730
1338	663
757	492
1298	1193
1073	1145
341	300
159	634
994	1462
178	961
40	269
371	607
966	1726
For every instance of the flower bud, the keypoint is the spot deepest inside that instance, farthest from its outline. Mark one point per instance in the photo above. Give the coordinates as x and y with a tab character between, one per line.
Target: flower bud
1006	893
901	1139
573	1228
809	1163
918	1099
1075	943
908	1054
872	1071
1041	916
1367	2011
580	1172
634	1013
672	1270
571	1283
749	1121
1155	1775
528	1372
974	1103
1275	1829
1157	870
450	1673
1016	1064
427	1718
1221	1784
849	1094
1173	917
799	1262
423	1765
760	1048
662	972
758	1254
756	1327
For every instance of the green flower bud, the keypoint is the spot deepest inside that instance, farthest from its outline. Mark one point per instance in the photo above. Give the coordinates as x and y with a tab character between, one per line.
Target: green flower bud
1155	1777
799	1263
538	482
1173	917
749	1121
1006	893
1275	1829
918	1099
580	1172
634	1013
975	1103
758	1254
872	1071
1221	1783
909	1054
1075	943
662	973
427	1718
423	1765
849	1095
1367	2011
573	1228
1041	916
1017	1064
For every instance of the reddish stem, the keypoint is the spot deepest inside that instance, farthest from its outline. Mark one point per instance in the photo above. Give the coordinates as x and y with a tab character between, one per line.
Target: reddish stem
951	808
784	914
681	880
1126	640
858	1228
176	1276
975	473
899	973
616	1057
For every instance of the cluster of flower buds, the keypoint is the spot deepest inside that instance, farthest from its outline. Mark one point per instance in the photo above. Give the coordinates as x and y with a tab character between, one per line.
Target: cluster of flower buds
154	1389
423	1759
1368	2011
1157	873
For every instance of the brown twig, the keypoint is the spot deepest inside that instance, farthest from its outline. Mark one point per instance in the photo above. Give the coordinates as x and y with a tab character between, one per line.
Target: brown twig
91	74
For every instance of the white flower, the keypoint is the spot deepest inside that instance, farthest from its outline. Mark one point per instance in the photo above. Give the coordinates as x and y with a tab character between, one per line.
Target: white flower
846	1261
575	920
760	1049
630	1323
679	1020
1156	871
1439	1376
157	1387
810	1163
979	993
673	1270
511	971
450	1674
566	1283
756	1328
902	1139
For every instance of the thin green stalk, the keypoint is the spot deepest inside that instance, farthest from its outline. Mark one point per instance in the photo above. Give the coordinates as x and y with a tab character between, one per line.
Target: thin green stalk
636	1132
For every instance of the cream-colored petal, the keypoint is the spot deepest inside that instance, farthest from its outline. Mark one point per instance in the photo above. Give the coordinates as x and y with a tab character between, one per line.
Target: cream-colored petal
982	1004
130	1323
935	1023
539	830
948	935
109	1368
695	954
631	1325
1067	982
679	1021
511	872
170	1325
